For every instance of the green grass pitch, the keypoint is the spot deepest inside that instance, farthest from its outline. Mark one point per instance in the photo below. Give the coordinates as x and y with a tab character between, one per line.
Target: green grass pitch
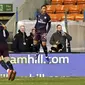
44	81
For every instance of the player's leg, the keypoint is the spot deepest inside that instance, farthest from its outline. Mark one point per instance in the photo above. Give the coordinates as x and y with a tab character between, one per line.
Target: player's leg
8	63
10	66
3	64
45	50
43	39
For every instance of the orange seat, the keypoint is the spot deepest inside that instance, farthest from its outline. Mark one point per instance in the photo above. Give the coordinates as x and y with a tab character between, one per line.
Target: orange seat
73	8
69	17
55	17
79	17
82	7
69	2
80	1
60	9
57	2
51	8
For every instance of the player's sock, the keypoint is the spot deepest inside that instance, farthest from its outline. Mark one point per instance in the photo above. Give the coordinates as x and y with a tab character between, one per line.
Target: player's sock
36	56
45	50
3	64
10	65
46	53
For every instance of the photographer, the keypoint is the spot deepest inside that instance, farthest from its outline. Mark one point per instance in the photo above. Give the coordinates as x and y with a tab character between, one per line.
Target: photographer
58	40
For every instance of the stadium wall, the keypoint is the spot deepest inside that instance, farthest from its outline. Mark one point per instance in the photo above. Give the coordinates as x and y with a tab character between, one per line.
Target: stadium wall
77	31
60	65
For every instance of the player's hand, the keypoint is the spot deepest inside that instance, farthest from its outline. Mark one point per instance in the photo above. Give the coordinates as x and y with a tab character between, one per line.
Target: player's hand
4	26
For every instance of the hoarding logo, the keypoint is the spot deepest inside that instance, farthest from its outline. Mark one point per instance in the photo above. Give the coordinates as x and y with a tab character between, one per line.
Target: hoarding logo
41	60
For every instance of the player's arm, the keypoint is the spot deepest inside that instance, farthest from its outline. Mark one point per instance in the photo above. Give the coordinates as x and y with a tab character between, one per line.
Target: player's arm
7	33
36	22
49	23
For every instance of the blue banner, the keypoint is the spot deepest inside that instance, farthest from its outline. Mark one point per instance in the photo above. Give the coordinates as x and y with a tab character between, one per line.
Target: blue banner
64	64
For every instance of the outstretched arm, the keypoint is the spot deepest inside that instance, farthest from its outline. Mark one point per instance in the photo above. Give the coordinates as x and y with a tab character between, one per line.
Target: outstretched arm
49	24
68	37
6	33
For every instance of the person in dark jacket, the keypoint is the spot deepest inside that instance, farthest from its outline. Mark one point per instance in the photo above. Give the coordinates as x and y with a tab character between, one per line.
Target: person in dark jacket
58	39
20	40
5	61
30	41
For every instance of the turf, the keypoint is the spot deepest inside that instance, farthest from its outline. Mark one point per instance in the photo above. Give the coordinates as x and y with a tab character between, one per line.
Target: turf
44	81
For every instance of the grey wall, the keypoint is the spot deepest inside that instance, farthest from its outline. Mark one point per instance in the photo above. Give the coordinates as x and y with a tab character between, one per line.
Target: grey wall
30	8
17	3
77	31
6	1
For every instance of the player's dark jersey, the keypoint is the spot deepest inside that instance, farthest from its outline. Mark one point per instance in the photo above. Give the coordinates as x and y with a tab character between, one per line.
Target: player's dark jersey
3	35
42	21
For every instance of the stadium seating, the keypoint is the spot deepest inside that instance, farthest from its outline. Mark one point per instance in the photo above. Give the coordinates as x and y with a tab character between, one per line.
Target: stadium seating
51	8
56	17
75	17
60	9
69	17
82	7
69	8
79	17
74	9
80	1
69	2
57	2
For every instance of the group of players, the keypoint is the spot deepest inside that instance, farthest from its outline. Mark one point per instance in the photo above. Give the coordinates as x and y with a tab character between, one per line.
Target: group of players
42	20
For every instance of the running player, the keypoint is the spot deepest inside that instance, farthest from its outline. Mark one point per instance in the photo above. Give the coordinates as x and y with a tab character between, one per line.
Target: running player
4	52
